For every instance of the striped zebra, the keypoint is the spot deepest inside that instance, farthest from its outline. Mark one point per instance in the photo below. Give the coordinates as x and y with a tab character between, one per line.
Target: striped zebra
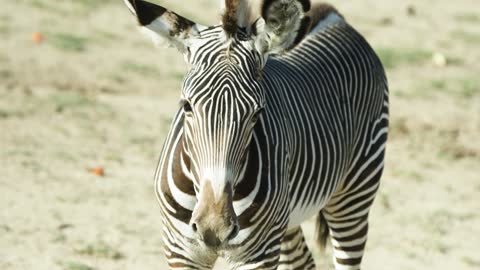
282	117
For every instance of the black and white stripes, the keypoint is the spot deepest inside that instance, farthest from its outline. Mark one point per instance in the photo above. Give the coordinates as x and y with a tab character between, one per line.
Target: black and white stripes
262	143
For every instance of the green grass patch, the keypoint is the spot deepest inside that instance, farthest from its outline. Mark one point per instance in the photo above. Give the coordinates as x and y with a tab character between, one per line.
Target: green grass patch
465	88
47	6
4	113
138	68
106	36
77	7
68	42
5	22
143	140
91	4
177	75
5	74
439	84
4	30
455	61
455	151
469	88
118	78
7	113
470	261
59	238
468	17
65	156
70	100
71	265
394	57
20	153
102	250
466	36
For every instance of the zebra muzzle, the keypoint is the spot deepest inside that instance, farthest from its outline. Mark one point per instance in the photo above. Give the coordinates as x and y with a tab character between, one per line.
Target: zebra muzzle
214	220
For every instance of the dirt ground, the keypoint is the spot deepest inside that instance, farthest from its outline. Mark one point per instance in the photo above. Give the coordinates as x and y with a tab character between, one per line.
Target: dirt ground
95	92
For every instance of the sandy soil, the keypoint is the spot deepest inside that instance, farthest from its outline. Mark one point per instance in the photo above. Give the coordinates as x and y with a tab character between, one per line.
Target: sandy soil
97	93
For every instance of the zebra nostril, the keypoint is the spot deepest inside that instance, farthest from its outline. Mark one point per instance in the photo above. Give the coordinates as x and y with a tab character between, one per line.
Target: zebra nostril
234	232
194	227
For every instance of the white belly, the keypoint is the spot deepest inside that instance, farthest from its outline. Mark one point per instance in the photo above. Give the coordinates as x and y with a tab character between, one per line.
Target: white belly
298	214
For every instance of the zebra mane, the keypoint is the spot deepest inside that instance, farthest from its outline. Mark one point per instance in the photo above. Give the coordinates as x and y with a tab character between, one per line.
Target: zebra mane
320	11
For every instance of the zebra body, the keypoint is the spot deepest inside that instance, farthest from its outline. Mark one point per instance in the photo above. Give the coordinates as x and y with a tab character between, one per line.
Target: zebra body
318	121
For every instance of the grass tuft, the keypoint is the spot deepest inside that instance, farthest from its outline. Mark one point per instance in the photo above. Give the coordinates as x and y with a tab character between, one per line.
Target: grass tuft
4	30
464	88
470	261
394	57
468	17
71	265
102	250
64	101
139	68
45	6
466	36
470	88
68	42
439	84
77	7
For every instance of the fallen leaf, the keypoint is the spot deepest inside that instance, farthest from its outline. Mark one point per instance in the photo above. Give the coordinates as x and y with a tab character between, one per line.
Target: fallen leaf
37	37
98	171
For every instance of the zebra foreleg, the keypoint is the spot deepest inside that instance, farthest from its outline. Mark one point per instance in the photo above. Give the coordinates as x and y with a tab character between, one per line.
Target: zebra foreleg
294	253
348	234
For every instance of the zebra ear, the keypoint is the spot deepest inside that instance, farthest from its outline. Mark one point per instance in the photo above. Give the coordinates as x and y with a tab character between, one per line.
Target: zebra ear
163	25
235	13
283	25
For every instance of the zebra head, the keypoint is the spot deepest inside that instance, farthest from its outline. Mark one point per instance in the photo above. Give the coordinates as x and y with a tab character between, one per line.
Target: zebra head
222	96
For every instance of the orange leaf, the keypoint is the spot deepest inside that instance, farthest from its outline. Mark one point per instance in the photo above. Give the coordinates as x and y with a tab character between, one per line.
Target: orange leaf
98	171
37	37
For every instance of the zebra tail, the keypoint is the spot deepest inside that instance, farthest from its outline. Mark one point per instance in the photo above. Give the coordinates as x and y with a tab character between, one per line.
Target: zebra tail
322	232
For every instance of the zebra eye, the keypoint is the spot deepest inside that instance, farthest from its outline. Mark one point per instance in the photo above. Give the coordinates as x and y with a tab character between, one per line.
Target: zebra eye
187	108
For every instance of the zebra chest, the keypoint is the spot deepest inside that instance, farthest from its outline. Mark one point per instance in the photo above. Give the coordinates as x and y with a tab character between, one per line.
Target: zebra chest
316	166
311	186
307	198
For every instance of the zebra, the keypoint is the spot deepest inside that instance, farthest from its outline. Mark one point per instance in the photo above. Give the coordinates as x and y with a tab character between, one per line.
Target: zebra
282	117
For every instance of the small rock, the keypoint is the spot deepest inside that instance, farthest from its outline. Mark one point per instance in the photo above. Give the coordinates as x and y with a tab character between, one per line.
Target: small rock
386	21
64	226
439	59
5	228
411	11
